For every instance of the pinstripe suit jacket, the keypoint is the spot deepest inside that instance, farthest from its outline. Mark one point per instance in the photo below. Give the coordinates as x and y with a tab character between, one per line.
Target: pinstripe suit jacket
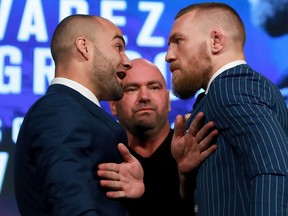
248	173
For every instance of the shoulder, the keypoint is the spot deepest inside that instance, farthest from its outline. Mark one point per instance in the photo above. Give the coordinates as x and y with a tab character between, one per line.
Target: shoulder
56	109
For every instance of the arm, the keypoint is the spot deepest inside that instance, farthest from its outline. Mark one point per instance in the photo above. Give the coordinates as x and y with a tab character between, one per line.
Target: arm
254	124
61	151
189	149
65	173
264	158
192	147
124	179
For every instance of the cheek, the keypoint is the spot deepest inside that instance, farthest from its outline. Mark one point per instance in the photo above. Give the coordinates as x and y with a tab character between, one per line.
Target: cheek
127	103
114	56
184	58
162	103
188	51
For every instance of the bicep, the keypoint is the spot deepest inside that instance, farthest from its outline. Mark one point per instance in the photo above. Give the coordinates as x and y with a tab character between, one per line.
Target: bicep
61	142
256	136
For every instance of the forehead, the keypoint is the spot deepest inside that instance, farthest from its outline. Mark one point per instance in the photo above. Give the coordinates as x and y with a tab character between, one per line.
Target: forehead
183	24
108	29
143	73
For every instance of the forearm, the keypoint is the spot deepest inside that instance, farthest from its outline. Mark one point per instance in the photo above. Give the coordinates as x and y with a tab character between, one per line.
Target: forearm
187	184
182	186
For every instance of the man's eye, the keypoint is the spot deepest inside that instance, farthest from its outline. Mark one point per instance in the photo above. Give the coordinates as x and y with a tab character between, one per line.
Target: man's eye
155	87
130	89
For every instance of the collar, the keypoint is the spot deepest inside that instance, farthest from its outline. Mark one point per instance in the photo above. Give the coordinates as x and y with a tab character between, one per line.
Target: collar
224	68
77	87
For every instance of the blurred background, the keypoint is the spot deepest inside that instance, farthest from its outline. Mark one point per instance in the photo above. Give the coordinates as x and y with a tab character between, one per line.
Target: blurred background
26	67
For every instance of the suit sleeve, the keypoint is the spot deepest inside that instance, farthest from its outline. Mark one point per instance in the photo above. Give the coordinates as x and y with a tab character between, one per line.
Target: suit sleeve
62	138
253	128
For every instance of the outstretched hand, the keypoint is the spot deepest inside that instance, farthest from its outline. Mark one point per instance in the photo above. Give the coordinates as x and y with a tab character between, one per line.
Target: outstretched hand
124	179
190	148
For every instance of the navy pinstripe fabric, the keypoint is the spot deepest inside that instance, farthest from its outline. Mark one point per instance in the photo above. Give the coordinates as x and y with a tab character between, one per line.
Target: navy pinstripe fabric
248	174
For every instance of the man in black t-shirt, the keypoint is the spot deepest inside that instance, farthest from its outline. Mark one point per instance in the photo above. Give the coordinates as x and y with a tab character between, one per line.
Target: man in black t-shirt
143	112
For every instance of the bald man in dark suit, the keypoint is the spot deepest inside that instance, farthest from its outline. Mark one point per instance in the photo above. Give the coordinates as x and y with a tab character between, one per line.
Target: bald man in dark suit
66	134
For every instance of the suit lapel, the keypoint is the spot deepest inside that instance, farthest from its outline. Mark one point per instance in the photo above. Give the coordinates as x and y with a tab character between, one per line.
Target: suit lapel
95	110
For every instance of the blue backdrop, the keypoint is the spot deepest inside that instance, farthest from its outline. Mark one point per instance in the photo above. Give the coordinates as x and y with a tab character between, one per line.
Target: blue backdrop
26	67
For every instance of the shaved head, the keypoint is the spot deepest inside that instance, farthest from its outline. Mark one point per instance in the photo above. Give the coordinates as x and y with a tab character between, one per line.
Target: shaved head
74	26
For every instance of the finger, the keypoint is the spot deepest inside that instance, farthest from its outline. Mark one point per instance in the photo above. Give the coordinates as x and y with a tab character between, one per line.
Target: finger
186	116
108	175
111	184
109	167
179	126
196	124
210	138
205	154
205	130
115	194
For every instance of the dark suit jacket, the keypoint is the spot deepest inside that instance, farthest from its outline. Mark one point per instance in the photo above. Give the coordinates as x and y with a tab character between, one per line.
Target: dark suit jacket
63	138
248	174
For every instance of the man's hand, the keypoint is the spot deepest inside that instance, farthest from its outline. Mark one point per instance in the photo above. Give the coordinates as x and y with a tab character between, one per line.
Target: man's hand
190	148
124	179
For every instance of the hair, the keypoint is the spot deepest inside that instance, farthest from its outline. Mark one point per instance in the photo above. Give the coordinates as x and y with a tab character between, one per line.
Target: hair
220	14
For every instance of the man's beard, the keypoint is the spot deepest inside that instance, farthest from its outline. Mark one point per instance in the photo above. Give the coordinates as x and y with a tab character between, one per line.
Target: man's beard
184	87
106	74
189	81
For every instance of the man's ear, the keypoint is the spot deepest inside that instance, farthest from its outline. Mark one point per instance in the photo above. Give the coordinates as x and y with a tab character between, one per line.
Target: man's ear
82	46
112	105
218	39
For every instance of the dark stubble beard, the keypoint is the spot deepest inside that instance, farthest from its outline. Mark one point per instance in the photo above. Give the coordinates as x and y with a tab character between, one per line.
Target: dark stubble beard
189	81
105	72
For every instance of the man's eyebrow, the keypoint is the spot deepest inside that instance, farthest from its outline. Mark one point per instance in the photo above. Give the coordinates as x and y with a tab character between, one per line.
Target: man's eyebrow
152	82
119	37
172	37
130	84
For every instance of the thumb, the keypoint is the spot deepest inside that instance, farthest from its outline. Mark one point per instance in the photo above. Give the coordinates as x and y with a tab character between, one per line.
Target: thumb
125	153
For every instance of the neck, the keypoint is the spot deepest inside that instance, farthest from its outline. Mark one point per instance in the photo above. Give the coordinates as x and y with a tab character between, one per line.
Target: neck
146	142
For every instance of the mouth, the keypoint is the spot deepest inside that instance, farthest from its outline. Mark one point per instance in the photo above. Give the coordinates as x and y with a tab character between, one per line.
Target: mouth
145	109
121	75
144	112
173	68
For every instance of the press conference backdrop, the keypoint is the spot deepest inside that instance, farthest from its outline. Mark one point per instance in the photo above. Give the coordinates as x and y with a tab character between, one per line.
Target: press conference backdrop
26	67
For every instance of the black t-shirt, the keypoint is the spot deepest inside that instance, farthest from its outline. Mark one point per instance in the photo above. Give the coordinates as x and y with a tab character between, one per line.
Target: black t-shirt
161	196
